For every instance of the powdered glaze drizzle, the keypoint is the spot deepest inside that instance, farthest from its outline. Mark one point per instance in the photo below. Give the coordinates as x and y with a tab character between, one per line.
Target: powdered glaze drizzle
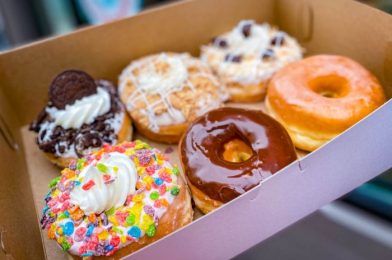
162	75
103	233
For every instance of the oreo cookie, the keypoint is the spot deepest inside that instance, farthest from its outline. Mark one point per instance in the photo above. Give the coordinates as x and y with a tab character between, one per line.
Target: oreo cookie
69	86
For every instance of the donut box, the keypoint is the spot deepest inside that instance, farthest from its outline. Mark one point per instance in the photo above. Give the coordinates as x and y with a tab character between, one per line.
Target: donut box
356	156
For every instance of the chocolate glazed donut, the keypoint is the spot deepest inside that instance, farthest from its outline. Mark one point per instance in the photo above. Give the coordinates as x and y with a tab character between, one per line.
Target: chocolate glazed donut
228	151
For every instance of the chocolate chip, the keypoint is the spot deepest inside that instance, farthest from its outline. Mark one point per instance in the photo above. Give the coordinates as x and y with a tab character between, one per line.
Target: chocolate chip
233	58
222	43
278	40
246	29
70	86
268	54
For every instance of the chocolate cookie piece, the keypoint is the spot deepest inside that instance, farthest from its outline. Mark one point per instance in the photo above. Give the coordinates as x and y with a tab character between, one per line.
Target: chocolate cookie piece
87	140
70	86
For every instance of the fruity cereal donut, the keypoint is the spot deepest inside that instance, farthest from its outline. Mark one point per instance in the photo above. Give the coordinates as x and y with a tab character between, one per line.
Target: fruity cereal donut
115	201
245	58
321	96
166	91
228	151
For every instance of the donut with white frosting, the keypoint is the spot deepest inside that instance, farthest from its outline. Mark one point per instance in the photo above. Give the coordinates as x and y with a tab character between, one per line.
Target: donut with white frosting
166	91
245	58
82	114
115	201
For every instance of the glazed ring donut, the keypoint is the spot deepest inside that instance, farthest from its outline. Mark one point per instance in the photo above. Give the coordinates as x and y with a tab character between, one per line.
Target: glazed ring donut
321	96
228	151
115	201
164	92
82	114
245	58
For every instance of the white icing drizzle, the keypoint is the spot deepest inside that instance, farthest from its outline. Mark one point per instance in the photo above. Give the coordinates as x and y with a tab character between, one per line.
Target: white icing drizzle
150	81
83	111
252	69
103	196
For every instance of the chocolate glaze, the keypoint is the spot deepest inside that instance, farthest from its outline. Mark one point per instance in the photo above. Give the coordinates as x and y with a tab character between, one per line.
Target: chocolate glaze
87	136
201	151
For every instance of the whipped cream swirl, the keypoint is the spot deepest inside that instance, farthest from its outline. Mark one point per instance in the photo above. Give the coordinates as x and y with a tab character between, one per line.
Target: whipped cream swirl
83	111
106	184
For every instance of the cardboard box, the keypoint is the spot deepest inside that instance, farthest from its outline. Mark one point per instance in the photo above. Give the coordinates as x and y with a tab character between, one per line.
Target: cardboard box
335	27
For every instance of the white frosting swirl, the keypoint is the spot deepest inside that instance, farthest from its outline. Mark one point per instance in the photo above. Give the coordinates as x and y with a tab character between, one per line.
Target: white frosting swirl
103	196
83	111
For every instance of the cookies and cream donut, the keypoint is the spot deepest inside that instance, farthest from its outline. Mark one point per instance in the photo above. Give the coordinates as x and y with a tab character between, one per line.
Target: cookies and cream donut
82	114
245	58
228	151
166	91
116	200
319	97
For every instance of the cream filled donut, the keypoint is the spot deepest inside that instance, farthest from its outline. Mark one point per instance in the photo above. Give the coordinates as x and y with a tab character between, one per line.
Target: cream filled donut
81	115
166	91
245	58
115	201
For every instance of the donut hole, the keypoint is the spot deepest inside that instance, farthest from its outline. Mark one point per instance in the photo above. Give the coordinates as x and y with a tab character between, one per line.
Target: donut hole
236	151
332	86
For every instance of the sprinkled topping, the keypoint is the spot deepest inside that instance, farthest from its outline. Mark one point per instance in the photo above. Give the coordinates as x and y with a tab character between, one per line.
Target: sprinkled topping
88	185
102	167
96	234
174	191
135	232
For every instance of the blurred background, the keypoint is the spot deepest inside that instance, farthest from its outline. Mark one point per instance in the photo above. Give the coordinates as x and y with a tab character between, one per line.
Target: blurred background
358	226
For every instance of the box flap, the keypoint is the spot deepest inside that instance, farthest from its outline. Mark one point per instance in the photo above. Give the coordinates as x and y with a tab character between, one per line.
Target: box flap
19	232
